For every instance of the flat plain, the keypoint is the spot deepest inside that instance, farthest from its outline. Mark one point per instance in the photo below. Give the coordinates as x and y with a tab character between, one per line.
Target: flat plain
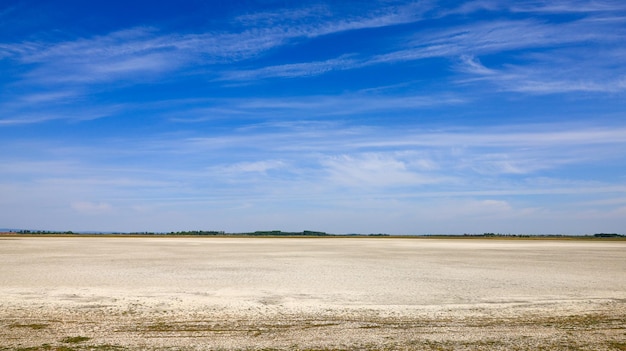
225	293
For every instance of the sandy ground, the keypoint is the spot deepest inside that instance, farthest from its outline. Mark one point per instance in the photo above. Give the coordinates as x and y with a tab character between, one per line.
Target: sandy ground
86	293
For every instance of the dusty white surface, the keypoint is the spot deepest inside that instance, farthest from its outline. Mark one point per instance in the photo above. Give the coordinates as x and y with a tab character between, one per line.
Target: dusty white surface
236	293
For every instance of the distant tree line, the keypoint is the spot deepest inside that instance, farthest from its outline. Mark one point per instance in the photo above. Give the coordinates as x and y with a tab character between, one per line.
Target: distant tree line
198	232
608	235
313	233
598	235
44	232
281	233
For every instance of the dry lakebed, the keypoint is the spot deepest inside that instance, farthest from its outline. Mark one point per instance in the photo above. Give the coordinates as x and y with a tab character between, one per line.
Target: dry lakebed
339	293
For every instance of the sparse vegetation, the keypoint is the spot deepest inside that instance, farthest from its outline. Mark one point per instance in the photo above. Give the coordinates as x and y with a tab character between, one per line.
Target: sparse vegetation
45	232
159	318
312	233
74	339
34	326
48	347
617	345
608	235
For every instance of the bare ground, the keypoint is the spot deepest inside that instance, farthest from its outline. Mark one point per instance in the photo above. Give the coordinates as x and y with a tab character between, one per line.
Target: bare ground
310	294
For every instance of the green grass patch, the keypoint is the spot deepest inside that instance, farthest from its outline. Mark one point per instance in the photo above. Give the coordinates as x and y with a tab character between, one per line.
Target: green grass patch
34	326
48	347
617	345
74	339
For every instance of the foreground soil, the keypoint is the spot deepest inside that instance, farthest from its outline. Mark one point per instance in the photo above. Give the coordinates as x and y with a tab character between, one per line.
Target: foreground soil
310	294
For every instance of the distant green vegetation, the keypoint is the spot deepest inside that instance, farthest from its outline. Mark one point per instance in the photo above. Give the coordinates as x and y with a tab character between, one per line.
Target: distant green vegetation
281	233
197	232
44	232
598	235
74	339
312	233
555	236
608	235
221	232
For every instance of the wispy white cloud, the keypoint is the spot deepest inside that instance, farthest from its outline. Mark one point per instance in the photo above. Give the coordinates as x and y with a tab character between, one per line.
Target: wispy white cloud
315	105
498	36
91	180
25	168
533	6
476	172
471	64
92	207
541	86
466	41
562	6
283	16
470	41
130	52
259	144
143	53
319	20
30	114
46	97
560	71
292	70
511	136
372	170
529	149
103	58
250	167
412	163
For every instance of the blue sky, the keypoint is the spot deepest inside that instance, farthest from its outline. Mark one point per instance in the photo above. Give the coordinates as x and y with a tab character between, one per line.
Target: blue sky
404	117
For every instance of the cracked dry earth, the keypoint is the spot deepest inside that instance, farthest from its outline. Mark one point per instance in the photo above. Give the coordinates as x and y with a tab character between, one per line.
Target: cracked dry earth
155	293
